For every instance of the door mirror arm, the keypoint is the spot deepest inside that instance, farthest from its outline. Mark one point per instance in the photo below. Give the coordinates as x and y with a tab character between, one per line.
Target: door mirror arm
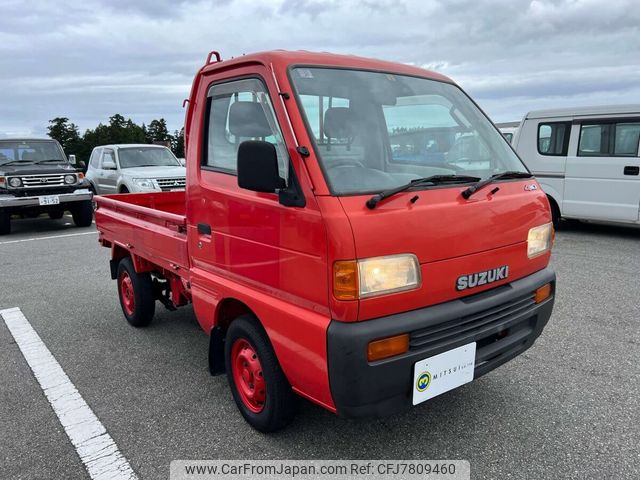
291	195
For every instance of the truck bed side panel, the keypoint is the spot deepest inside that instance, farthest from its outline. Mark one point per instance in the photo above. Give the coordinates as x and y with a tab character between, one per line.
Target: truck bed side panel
151	225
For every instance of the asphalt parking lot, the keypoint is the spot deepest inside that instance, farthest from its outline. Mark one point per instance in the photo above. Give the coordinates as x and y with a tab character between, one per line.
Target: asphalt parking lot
567	408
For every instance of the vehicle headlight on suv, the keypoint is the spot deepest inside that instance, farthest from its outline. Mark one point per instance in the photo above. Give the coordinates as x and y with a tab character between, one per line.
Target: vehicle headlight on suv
369	277
70	179
15	182
146	183
539	240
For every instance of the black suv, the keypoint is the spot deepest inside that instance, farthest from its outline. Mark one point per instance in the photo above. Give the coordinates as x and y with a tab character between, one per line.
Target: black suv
35	178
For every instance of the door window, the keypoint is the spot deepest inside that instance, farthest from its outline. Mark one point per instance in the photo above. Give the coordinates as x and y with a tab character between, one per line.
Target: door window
108	155
239	111
553	138
626	139
94	161
609	139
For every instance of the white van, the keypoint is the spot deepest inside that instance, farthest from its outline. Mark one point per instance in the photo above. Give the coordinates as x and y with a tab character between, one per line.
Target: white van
508	129
586	160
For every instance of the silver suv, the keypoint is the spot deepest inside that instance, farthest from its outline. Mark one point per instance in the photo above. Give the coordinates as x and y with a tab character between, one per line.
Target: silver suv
134	168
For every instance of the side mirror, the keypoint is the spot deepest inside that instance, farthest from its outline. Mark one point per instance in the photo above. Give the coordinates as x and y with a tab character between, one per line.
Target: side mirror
183	161
82	165
258	167
72	160
108	164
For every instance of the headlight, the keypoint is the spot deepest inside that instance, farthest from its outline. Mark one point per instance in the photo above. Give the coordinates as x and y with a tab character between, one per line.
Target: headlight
69	179
375	276
147	183
15	182
539	240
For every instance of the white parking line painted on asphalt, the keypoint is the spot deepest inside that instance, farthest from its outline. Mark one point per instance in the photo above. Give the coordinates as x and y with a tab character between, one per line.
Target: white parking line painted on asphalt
94	445
33	239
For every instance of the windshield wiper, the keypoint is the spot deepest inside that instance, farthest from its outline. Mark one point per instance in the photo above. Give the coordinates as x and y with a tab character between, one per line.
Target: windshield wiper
432	180
57	160
17	161
498	176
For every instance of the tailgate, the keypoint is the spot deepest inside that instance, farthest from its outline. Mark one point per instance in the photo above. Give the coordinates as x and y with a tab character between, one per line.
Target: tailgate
158	235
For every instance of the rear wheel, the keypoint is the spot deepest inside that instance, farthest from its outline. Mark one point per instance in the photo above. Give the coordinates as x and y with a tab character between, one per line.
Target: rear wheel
5	223
82	213
258	384
136	294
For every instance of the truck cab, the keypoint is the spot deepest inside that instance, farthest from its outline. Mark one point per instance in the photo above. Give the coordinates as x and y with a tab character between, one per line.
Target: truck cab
36	178
354	231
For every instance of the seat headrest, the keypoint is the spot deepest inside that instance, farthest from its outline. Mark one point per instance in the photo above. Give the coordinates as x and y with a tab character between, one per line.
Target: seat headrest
338	122
247	119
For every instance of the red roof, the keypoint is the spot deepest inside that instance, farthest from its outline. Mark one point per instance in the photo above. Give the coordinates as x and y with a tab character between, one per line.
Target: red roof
284	58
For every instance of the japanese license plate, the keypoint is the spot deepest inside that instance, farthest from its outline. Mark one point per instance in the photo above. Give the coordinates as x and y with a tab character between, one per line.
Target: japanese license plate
49	200
443	372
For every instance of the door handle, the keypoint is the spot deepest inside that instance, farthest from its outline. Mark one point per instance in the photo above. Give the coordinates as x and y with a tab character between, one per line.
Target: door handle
204	229
631	170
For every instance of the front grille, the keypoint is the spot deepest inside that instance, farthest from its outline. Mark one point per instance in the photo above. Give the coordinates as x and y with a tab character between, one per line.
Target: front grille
43	181
171	183
506	316
500	333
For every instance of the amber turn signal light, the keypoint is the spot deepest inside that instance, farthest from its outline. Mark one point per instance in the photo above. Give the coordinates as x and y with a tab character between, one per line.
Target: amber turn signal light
388	347
543	293
345	280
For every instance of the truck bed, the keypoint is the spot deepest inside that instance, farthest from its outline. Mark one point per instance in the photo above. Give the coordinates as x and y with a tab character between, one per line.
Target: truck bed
151	225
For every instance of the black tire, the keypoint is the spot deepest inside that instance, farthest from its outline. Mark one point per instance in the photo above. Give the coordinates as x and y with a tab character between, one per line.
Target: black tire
144	303
82	213
555	213
124	190
57	215
279	405
5	223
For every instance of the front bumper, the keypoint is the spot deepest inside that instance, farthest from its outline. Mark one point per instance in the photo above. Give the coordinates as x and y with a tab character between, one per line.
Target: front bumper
362	389
9	201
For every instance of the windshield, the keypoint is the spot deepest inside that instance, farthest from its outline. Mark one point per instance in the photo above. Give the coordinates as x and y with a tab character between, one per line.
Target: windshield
375	131
29	151
147	157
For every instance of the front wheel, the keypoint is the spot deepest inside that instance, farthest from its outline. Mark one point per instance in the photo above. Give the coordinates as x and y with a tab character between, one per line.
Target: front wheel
5	223
136	294
258	384
82	213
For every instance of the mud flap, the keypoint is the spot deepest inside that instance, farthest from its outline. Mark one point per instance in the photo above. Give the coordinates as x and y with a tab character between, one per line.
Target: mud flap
216	352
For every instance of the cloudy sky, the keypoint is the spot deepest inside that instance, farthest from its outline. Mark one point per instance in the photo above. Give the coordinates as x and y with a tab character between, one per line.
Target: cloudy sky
89	59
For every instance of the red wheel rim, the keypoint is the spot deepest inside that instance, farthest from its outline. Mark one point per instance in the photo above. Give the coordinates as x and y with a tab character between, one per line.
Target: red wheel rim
247	375
126	293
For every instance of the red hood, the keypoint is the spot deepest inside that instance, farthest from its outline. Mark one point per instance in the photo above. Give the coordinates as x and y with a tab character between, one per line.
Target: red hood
441	228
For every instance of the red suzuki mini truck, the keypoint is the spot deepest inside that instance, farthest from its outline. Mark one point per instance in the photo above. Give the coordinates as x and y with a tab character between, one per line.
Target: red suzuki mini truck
353	231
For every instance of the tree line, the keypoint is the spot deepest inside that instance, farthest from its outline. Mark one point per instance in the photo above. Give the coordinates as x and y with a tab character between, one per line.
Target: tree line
118	130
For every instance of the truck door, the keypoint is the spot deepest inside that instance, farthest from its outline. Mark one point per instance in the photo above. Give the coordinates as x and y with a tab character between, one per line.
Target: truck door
602	180
240	235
